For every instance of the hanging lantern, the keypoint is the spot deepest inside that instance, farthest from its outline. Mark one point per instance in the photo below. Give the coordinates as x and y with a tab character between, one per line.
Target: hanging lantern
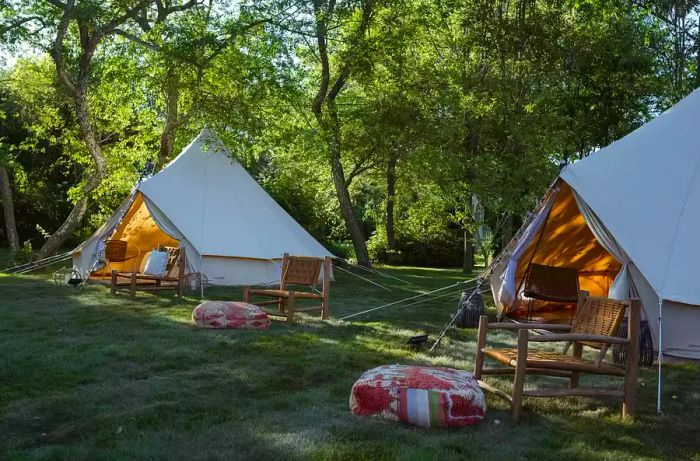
195	280
646	346
471	307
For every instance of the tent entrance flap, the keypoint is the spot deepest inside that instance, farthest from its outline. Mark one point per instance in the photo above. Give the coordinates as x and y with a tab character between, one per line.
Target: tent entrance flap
564	240
142	234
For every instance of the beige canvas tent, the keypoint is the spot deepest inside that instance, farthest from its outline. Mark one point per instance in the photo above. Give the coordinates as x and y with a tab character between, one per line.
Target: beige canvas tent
231	230
628	219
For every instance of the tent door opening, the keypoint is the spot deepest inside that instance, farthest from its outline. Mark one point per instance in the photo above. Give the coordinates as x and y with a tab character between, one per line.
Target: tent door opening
563	245
141	234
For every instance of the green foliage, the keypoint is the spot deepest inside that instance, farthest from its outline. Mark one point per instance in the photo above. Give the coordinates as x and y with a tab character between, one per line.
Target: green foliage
470	99
24	255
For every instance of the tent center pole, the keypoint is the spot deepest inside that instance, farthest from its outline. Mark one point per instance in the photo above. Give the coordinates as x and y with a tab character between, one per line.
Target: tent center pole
659	360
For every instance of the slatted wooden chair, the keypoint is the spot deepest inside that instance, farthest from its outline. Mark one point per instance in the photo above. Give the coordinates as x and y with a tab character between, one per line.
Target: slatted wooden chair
596	324
174	278
553	284
300	271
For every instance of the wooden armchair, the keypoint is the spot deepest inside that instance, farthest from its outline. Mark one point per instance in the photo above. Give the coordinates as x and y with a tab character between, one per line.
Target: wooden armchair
297	270
596	324
174	278
552	284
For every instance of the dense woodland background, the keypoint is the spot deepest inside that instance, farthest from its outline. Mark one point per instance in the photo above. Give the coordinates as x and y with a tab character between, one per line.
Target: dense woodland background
410	132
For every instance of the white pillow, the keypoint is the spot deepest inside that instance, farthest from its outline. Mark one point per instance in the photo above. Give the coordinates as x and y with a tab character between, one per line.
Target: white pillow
157	263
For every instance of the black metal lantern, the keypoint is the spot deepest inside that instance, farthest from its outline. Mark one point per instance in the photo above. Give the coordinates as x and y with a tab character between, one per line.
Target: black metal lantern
417	342
471	307
646	346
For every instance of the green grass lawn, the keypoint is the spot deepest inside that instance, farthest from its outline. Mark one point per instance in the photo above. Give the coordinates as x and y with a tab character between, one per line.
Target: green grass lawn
84	375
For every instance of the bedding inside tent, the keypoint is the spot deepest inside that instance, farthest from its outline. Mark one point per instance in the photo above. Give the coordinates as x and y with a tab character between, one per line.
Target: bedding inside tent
142	235
564	240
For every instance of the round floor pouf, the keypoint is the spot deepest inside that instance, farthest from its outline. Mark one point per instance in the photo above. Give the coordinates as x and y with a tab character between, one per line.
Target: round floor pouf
230	314
422	396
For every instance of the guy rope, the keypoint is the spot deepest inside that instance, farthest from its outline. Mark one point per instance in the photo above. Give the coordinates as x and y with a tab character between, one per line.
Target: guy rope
421	295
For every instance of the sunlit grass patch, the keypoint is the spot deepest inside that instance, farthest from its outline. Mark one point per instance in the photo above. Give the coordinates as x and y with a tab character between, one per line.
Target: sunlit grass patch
89	376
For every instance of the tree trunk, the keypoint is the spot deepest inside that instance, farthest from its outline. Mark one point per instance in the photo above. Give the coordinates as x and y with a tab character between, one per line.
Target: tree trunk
390	200
8	209
64	232
468	257
167	137
329	122
352	224
73	220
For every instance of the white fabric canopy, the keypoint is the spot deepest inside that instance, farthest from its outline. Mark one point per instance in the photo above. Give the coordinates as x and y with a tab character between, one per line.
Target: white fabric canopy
640	198
645	189
213	201
232	231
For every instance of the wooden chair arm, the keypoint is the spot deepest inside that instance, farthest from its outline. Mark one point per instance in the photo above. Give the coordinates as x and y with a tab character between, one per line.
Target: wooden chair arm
578	337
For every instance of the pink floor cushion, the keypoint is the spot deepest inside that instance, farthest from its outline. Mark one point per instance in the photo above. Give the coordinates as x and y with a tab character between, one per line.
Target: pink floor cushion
230	314
422	396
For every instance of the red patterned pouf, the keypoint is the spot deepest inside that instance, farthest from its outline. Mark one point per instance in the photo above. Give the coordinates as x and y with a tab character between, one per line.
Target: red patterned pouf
230	314
422	396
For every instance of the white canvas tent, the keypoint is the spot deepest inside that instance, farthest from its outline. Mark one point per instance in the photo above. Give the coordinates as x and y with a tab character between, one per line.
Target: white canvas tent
231	230
628	218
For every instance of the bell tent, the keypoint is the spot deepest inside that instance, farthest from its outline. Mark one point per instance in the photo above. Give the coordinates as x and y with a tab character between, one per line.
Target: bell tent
206	203
627	218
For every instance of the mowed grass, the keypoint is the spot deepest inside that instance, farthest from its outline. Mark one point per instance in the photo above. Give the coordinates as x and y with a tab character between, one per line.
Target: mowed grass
88	376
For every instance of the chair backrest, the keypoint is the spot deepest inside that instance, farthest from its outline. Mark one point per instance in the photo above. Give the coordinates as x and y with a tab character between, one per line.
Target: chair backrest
115	250
599	316
300	270
551	283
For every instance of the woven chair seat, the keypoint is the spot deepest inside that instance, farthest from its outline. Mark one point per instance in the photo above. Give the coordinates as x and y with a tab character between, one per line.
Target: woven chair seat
553	361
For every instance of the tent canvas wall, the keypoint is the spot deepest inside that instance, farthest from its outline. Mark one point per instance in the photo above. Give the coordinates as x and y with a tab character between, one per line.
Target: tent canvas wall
231	230
628	218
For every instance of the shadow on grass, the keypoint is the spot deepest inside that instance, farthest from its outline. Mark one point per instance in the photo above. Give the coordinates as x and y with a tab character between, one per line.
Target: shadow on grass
86	369
90	376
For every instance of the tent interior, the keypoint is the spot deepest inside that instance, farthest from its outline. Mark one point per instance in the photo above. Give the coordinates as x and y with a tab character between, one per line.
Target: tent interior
142	235
564	240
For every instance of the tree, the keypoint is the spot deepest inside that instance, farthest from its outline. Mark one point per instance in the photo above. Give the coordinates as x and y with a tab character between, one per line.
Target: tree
325	109
80	28
8	127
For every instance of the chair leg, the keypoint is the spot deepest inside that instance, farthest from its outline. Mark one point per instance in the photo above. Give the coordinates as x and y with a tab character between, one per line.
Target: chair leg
520	370
114	283
290	308
480	344
281	305
324	311
573	379
246	295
